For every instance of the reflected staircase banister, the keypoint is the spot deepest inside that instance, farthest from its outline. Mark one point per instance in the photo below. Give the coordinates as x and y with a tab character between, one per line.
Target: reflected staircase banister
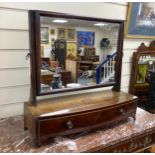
98	69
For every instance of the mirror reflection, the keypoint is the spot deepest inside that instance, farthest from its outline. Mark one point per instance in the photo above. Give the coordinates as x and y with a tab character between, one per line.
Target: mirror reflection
146	63
76	53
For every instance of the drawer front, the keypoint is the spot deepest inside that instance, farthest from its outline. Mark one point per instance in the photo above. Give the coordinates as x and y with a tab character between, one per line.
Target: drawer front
83	121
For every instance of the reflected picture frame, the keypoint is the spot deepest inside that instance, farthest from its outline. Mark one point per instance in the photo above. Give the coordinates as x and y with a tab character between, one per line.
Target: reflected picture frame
61	33
142	71
140	20
71	35
85	38
52	31
44	35
72	50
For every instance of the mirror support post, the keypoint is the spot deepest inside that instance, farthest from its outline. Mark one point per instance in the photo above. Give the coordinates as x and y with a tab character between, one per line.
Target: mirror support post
32	32
119	56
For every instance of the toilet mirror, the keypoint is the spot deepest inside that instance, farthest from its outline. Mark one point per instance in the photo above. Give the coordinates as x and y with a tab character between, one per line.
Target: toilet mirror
72	53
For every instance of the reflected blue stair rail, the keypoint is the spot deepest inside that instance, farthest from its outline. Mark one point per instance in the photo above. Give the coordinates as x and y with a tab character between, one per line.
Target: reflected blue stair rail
98	69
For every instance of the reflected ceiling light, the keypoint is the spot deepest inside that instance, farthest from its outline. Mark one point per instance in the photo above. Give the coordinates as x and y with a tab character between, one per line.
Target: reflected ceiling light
100	24
59	21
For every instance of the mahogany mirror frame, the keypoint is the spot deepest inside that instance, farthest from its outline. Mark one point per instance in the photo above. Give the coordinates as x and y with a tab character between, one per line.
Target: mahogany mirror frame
35	50
141	51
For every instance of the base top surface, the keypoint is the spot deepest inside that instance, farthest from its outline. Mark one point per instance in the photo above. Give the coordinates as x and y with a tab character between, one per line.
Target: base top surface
79	103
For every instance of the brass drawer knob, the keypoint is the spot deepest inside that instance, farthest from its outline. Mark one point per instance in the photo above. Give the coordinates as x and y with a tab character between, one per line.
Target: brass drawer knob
131	146
69	125
122	111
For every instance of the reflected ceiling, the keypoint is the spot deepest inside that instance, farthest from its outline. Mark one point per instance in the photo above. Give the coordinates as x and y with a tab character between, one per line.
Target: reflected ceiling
75	22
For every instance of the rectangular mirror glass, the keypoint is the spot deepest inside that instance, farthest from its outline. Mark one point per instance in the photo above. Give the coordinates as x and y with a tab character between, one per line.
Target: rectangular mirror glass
76	53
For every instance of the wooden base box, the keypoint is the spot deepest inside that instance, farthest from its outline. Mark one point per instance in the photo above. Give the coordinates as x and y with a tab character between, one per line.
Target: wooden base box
77	113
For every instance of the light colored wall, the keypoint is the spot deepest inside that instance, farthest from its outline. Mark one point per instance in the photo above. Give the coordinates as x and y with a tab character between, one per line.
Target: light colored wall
14	45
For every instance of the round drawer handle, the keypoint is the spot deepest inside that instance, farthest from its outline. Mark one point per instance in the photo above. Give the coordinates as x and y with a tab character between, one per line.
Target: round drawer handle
69	125
122	111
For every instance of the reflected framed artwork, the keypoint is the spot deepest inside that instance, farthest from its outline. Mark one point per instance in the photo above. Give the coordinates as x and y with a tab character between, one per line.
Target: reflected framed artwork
44	35
71	35
61	33
142	70
140	20
85	38
52	31
71	50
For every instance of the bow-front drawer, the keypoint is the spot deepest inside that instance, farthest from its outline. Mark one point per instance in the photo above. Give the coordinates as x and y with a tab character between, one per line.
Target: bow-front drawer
84	121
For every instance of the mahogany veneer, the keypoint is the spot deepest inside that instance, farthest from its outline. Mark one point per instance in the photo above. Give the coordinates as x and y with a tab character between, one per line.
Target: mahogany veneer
77	113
